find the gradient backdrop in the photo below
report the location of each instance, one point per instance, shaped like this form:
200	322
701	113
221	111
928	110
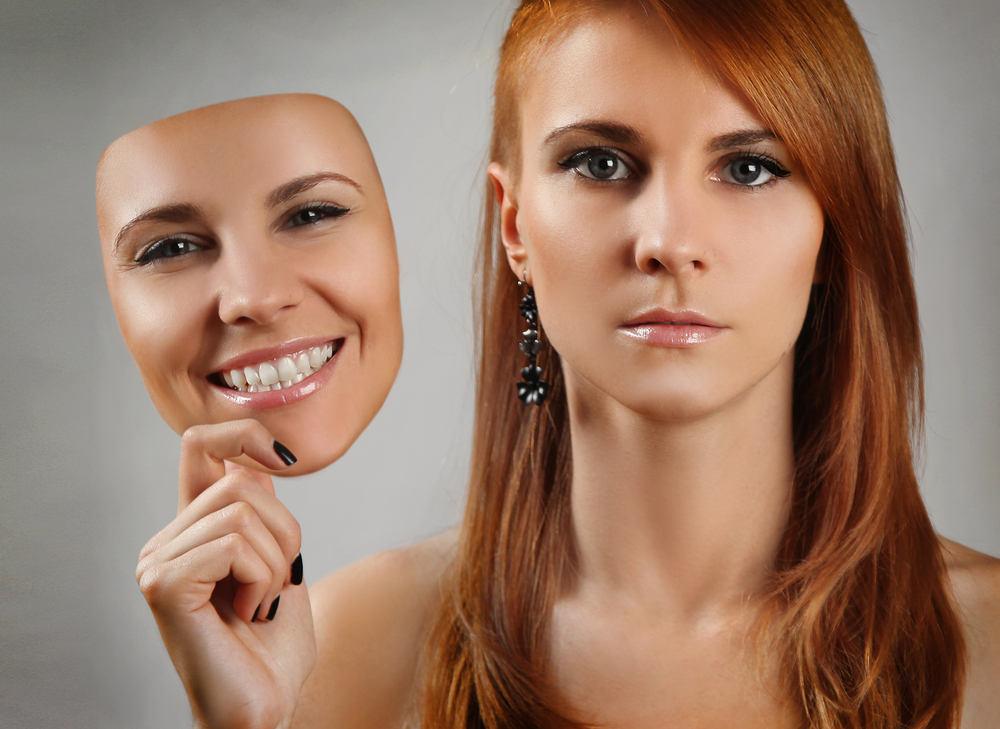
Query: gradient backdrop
89	471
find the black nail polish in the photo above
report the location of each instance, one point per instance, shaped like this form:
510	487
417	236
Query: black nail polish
254	618
284	454
297	570
274	608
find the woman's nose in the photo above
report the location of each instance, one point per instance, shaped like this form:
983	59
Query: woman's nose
257	282
670	235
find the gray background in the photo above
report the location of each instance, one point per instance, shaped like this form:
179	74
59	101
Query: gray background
88	468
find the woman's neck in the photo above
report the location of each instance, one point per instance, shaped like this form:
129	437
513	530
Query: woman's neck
684	517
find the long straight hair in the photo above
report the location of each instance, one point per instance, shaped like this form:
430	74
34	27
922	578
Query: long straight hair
858	606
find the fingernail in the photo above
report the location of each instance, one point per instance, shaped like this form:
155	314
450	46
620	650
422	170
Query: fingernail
254	618
284	454
297	570
274	608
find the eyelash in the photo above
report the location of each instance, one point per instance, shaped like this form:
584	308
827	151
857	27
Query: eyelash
149	256
329	210
572	161
775	168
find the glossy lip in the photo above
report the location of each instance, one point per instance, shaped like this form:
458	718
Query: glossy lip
288	395
663	328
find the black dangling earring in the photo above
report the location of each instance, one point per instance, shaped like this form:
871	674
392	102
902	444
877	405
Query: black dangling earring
532	389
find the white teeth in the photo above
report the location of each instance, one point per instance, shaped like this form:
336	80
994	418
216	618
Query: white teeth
239	379
268	374
286	368
279	373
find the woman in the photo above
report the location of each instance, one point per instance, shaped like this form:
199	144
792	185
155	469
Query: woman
714	518
708	515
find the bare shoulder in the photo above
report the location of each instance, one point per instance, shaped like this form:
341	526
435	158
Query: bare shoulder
975	580
371	619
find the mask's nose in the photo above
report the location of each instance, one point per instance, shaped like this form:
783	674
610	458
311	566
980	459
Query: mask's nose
257	281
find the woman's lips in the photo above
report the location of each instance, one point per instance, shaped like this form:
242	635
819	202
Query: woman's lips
278	381
662	328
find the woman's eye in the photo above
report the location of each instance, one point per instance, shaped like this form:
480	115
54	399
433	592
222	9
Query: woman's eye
752	171
597	164
313	214
168	248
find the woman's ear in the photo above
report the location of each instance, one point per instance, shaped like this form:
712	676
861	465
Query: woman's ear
510	236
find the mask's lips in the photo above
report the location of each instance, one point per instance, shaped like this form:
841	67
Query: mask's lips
279	373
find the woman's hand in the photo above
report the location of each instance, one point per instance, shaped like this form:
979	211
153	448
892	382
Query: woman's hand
214	575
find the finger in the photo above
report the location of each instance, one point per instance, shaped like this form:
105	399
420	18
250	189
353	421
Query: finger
238	486
204	448
264	479
185	584
236	518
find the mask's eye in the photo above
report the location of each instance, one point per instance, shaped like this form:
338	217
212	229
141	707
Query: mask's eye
752	170
597	164
314	213
168	248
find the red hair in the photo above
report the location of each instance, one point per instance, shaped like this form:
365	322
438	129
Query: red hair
859	605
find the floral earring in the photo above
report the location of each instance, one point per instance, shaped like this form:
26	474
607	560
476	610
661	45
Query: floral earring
532	389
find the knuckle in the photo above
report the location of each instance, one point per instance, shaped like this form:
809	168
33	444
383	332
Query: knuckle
232	487
241	516
235	544
152	584
289	537
193	437
251	427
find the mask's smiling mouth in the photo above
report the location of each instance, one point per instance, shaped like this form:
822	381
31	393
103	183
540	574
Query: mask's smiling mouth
277	374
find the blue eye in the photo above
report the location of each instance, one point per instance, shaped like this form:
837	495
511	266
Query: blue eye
597	164
168	248
314	213
752	170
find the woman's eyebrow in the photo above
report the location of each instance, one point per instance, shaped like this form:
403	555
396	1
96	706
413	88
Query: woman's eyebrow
300	184
611	131
176	213
741	138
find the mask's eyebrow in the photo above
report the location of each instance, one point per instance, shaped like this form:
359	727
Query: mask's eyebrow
612	131
742	138
299	185
177	213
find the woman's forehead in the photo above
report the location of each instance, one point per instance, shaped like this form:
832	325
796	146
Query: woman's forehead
240	150
626	68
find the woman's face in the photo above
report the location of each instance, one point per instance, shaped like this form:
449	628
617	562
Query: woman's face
251	262
669	235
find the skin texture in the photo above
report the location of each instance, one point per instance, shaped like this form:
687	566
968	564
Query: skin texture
253	274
